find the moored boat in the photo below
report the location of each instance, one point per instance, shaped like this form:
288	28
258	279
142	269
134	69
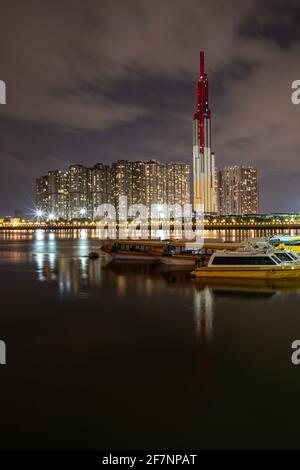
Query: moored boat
252	264
183	253
137	250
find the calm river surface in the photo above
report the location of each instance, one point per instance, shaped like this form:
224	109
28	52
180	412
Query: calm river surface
134	356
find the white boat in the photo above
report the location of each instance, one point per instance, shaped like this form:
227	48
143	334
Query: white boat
181	253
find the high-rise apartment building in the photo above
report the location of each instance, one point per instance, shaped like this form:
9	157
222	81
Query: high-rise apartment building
79	192
121	174
138	195
178	183
218	189
155	183
238	190
58	194
41	192
203	157
100	187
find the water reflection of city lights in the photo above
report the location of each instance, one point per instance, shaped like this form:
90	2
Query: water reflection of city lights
52	258
203	311
83	233
121	284
40	257
40	235
83	266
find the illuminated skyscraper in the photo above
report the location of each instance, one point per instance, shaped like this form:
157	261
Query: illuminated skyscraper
137	179
79	192
239	193
178	183
121	182
155	182
58	194
41	193
100	187
203	157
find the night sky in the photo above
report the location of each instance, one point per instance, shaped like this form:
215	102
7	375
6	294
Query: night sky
98	81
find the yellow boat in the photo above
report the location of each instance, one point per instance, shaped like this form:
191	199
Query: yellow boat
247	265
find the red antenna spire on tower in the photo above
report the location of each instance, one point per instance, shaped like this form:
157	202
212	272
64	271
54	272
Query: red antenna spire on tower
202	109
201	64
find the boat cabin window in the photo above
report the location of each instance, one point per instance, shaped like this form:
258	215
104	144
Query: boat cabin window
244	260
294	255
172	250
284	256
115	247
132	247
180	250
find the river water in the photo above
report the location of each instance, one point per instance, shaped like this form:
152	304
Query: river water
133	356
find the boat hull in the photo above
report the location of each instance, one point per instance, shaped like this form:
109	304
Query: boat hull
134	257
279	272
177	261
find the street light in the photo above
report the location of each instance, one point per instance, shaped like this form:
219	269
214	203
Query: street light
39	213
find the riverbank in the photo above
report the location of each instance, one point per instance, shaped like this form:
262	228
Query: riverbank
95	226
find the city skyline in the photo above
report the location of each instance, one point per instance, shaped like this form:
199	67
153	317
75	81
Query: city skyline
132	97
79	191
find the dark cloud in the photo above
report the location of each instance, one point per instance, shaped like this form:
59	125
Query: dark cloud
101	80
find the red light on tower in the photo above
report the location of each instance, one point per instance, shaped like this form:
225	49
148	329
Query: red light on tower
201	64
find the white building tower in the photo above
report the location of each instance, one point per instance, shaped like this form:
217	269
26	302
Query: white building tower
203	157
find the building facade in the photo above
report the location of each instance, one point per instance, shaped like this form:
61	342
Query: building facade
238	190
203	157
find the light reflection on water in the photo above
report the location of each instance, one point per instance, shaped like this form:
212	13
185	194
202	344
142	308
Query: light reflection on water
68	267
76	275
204	312
61	260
